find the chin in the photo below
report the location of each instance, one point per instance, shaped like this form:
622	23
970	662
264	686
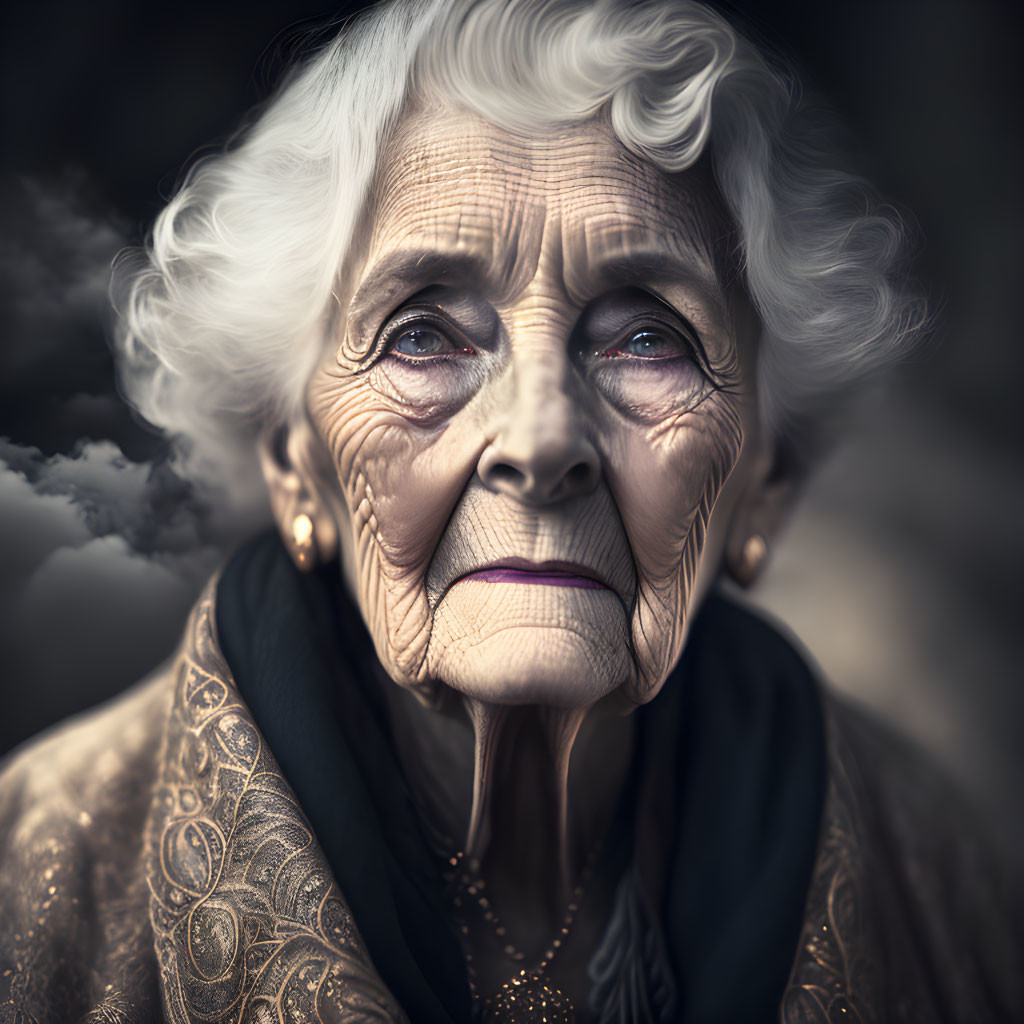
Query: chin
530	645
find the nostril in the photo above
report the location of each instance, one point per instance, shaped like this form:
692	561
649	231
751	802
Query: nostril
579	476
503	473
541	476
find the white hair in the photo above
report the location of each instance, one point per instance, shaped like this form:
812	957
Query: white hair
226	312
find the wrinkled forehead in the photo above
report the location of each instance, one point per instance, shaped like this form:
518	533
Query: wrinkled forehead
458	195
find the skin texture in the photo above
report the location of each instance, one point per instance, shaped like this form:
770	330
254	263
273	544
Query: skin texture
540	365
523	436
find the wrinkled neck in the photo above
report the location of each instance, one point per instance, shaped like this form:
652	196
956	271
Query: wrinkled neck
526	792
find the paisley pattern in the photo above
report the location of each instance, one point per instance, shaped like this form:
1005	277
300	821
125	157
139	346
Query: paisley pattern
248	922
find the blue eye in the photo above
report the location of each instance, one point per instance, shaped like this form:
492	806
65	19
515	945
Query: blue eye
647	345
421	342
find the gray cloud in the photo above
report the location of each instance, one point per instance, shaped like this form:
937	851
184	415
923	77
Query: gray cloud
55	267
56	369
102	557
97	614
32	525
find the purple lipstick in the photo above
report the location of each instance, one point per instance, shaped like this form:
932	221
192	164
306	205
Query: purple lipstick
539	576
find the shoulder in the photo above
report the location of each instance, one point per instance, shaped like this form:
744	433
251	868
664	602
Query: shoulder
86	766
910	915
912	807
73	897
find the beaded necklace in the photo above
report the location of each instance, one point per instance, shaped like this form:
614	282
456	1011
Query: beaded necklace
528	997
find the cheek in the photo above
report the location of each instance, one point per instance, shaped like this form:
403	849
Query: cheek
417	478
666	479
427	393
655	392
399	481
400	477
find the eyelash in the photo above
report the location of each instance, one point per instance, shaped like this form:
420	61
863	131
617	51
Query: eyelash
391	335
614	351
683	335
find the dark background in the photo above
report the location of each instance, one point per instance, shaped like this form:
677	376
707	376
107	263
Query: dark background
901	569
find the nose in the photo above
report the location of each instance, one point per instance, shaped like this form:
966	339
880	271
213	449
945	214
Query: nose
541	453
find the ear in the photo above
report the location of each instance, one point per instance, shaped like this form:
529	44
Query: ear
766	495
292	459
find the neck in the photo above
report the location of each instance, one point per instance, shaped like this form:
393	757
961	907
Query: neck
526	792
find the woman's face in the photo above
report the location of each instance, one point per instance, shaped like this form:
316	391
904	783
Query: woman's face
534	402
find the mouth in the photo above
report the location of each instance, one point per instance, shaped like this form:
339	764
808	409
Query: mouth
545	574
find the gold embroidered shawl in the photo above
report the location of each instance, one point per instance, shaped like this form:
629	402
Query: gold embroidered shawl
155	865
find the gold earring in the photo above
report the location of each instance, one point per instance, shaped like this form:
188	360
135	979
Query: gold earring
303	541
755	550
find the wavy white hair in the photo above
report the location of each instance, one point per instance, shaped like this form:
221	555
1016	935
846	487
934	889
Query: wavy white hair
226	312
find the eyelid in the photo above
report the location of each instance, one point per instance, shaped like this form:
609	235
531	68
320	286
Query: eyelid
690	332
410	316
669	320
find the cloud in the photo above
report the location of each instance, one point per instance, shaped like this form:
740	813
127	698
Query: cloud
98	610
54	267
155	511
56	368
32	525
102	557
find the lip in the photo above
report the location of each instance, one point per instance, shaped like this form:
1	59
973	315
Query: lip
549	574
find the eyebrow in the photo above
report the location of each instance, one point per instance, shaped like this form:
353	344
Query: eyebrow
404	272
653	269
613	251
649	260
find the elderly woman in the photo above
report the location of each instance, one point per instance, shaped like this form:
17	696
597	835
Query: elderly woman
532	314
